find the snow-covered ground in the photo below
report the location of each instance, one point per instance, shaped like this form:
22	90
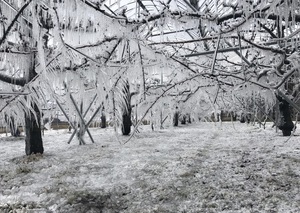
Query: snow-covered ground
203	167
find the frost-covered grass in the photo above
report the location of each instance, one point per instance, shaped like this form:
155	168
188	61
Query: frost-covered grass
197	168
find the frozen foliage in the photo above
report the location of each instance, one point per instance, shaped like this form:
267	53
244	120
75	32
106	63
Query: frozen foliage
201	57
231	167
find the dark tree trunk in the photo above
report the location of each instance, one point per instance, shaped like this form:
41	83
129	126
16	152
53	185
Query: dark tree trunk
176	117
126	116
233	116
189	119
126	127
33	139
103	121
285	123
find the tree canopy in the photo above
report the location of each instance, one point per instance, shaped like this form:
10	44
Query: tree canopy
171	52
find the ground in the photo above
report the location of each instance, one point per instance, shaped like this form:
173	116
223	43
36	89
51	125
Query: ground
205	167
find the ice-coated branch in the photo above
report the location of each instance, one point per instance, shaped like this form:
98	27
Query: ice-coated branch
142	5
285	77
97	8
237	77
13	80
183	64
215	55
7	31
8	102
194	92
258	13
143	71
238	53
267	29
262	47
106	39
113	50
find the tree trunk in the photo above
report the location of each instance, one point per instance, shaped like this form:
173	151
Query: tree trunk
33	139
126	116
189	119
126	126
285	123
176	117
103	121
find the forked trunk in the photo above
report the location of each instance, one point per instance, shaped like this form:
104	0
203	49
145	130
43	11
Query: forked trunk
33	139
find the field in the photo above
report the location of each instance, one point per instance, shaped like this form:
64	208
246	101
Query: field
205	167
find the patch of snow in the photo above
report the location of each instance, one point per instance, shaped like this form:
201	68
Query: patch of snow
205	167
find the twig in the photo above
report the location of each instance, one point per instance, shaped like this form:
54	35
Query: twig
143	71
113	50
215	55
272	49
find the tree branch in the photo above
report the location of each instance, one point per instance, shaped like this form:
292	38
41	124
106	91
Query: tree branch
97	8
113	50
13	80
14	21
272	49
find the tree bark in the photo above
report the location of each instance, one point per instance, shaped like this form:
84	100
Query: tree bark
33	139
176	117
285	123
126	126
103	120
126	116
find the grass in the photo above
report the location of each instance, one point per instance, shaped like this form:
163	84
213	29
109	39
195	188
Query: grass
161	172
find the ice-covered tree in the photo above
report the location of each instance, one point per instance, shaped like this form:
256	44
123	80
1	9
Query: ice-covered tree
218	52
242	47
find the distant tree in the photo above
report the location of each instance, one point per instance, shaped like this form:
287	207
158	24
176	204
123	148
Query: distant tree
103	119
176	117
